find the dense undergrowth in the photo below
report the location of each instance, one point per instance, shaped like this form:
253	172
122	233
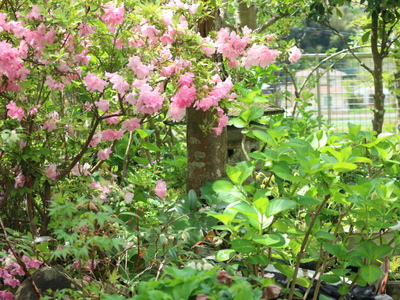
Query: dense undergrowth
307	195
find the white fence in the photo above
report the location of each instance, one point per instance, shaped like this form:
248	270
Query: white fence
344	93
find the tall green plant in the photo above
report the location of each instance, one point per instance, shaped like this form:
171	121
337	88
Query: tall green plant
318	197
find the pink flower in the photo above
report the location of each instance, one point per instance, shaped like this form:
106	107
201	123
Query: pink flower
167	16
149	31
259	56
51	172
113	15
113	120
14	111
49	126
220	91
79	170
118	82
34	14
139	69
131	124
208	46
128	197
84	30
294	54
54	85
94	83
104	154
96	139
149	101
161	189
175	112
104	105
31	263
112	135
184	97
19	180
131	98
186	79
10	280
222	121
4	295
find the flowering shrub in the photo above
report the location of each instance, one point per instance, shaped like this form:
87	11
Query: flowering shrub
83	88
73	85
11	272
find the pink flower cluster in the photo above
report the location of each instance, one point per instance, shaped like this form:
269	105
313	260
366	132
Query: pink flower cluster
12	68
161	189
222	121
10	269
294	54
259	56
184	97
85	266
231	45
14	111
113	15
51	172
220	91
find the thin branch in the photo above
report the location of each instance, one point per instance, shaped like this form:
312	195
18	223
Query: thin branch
270	22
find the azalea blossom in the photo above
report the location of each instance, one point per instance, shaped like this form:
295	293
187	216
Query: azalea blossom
94	83
14	111
113	15
103	104
128	197
51	172
294	54
161	189
131	124
104	154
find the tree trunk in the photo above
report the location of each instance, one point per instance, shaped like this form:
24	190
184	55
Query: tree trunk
246	15
379	96
207	151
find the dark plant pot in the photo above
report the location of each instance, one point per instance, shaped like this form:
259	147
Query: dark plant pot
393	289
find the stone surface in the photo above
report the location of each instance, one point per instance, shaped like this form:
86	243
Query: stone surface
45	278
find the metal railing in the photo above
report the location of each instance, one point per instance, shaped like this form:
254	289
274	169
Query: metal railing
342	90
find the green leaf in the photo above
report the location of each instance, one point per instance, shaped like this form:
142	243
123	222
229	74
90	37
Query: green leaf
222	186
264	137
330	278
303	281
150	146
252	114
278	205
283	171
325	235
370	273
225	254
141	161
239	173
372	251
261	204
275	240
243	246
340	251
258	259
365	37
307	201
143	134
344	166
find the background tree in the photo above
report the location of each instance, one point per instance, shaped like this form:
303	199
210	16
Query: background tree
379	33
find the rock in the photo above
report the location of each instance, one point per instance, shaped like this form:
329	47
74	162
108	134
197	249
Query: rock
46	278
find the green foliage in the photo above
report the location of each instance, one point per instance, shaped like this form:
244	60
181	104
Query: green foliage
309	195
